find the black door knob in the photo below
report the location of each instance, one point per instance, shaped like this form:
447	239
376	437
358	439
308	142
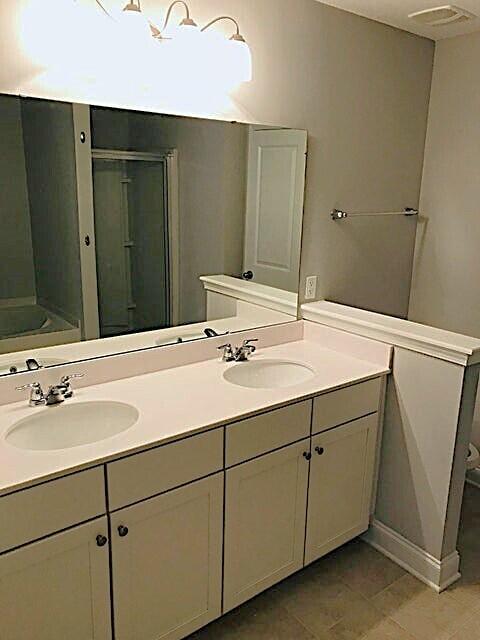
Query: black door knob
122	530
247	275
319	450
101	540
307	455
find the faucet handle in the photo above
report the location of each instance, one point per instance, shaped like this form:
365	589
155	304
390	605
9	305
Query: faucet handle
65	383
36	394
30	385
247	344
66	379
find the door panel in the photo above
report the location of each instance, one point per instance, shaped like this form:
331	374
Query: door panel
167	570
57	588
275	194
265	504
341	479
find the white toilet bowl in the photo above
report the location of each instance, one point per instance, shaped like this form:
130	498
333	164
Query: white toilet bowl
473	460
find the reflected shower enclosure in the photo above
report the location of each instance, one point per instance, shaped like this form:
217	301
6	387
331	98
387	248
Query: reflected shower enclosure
131	241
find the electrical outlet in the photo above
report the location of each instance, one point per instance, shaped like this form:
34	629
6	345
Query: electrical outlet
310	287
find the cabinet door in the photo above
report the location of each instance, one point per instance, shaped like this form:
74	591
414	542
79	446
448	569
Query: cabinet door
265	506
57	588
167	562
341	479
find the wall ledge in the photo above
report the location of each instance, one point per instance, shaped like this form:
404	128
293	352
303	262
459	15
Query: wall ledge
444	345
259	294
437	574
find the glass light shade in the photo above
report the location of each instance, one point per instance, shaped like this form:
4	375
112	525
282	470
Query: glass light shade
240	58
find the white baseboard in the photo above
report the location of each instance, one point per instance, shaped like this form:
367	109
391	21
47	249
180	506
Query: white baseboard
438	574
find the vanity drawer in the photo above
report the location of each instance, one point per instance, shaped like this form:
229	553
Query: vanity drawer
258	435
36	512
146	474
350	403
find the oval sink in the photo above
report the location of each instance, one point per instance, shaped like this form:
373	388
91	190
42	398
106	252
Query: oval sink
71	425
268	374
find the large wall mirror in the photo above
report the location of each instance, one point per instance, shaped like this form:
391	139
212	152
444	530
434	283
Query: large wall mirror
125	230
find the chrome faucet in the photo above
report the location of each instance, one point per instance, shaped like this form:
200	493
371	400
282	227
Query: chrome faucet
56	393
238	354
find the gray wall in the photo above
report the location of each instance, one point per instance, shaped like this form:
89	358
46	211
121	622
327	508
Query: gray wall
50	162
212	159
446	277
17	277
361	89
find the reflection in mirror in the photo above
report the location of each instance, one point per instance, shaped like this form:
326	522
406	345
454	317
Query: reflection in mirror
127	230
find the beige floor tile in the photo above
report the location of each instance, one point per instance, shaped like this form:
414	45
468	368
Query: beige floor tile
259	619
388	630
421	611
365	570
361	619
319	601
469	630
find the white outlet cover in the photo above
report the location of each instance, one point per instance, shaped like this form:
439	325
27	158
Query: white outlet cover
310	287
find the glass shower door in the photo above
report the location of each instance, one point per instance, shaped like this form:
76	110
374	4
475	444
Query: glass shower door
131	245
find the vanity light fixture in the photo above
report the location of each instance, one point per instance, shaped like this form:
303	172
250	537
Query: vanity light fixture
219	56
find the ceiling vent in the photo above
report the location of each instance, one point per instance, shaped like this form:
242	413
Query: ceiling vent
440	16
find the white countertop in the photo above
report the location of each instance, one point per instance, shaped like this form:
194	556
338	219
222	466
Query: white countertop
172	404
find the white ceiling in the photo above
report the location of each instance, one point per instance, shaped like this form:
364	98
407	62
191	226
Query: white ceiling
395	13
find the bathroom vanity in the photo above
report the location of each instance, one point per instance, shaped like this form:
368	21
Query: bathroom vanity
218	491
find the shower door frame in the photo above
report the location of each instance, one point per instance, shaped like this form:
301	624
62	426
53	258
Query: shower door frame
170	158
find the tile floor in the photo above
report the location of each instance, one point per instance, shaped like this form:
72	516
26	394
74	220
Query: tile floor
356	593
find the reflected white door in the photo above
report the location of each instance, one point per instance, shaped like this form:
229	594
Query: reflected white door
275	194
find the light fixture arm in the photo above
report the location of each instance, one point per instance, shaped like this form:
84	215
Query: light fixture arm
237	35
187	19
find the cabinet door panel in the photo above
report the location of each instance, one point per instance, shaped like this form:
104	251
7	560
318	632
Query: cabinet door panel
57	588
341	478
265	505
167	569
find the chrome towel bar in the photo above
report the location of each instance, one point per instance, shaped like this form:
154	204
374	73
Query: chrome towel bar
341	215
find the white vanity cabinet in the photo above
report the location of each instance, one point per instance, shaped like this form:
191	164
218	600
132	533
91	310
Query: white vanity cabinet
167	562
163	536
58	588
340	486
265	507
167	548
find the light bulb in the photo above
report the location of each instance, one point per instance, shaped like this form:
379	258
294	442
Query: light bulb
134	22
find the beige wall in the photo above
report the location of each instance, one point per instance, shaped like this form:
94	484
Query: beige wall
446	278
361	90
17	277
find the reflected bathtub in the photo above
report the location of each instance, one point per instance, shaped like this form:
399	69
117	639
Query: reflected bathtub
18	321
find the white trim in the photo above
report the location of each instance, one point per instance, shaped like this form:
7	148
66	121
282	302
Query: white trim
173	222
259	294
86	224
438	574
444	345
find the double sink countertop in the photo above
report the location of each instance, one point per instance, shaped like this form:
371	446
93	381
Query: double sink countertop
175	403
